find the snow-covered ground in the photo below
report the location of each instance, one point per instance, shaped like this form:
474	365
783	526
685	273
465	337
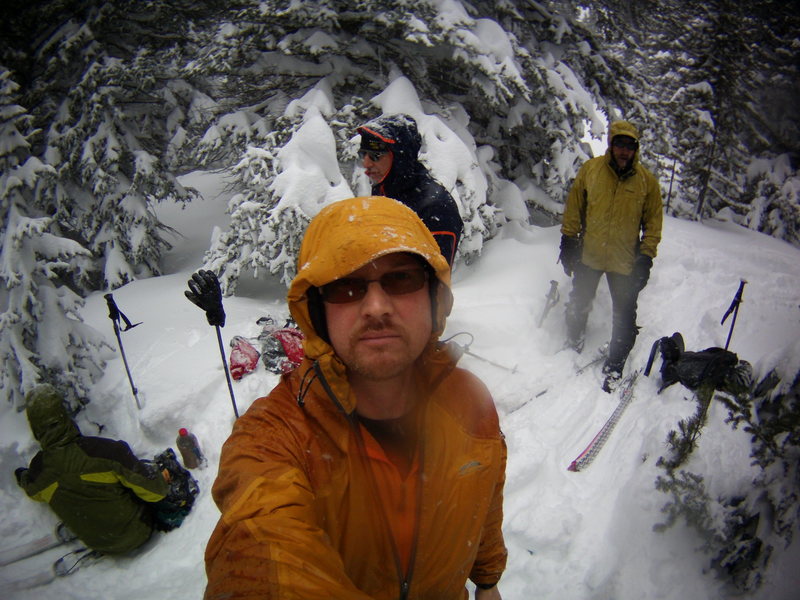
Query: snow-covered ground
571	536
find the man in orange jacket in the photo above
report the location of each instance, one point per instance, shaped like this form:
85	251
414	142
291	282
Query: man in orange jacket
375	469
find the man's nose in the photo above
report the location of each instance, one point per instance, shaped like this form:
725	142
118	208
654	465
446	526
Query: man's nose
376	301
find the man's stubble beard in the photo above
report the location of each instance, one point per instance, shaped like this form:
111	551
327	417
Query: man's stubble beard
376	364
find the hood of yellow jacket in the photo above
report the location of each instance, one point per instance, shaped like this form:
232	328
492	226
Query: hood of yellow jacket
349	234
623	128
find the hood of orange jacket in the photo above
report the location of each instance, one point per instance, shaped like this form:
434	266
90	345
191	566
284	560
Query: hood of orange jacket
342	238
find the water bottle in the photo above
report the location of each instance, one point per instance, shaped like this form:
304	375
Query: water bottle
190	450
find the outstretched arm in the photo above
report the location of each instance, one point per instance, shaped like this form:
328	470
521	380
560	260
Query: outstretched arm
268	542
492	554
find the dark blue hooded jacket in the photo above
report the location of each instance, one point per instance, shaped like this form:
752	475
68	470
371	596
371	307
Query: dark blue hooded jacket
410	182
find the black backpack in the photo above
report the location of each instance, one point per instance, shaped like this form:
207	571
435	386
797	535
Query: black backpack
713	366
170	512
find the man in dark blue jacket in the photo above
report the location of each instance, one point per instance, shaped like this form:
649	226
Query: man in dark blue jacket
389	148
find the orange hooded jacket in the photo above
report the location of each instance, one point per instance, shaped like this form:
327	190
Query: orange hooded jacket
301	515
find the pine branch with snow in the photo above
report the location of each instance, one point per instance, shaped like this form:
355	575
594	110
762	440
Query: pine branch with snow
42	338
472	73
741	528
683	442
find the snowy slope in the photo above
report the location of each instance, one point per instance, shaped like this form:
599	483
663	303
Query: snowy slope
578	536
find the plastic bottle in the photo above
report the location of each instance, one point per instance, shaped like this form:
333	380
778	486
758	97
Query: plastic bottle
190	450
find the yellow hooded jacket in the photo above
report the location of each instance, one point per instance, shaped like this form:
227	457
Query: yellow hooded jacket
609	211
300	511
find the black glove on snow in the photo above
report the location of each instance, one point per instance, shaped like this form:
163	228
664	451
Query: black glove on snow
570	254
205	292
641	270
18	473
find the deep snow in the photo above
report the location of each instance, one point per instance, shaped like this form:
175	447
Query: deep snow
571	536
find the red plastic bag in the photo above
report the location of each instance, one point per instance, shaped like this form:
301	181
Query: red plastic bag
244	357
282	350
292	342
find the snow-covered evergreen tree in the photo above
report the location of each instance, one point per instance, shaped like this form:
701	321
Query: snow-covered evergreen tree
283	186
104	84
106	104
722	79
42	337
489	74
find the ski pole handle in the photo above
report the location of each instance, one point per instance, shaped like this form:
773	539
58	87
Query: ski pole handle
737	299
551	299
734	308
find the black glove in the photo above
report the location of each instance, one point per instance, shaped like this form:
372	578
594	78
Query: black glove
641	270
570	254
18	473
205	292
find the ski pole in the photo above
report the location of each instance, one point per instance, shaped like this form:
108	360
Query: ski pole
115	314
227	372
551	299
653	349
486	360
733	308
465	350
205	292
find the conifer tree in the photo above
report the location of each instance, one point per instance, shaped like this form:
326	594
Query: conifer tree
42	337
103	82
494	74
106	111
740	528
721	82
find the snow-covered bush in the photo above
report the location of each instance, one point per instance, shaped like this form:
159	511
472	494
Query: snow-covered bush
740	528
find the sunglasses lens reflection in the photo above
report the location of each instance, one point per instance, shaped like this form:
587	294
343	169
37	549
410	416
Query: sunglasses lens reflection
373	155
394	283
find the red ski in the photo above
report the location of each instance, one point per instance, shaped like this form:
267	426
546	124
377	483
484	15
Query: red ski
586	457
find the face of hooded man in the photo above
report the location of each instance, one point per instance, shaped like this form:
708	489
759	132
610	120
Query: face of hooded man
377	170
623	148
380	335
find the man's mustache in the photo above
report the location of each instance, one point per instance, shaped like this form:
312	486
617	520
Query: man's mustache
372	325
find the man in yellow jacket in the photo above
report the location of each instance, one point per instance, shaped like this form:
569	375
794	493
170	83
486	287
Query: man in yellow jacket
612	225
374	470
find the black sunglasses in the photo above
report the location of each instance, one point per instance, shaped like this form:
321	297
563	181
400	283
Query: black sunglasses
374	155
394	283
627	144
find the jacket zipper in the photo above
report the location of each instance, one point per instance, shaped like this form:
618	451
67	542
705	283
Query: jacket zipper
404	578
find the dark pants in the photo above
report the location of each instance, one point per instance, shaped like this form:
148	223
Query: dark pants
624	296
